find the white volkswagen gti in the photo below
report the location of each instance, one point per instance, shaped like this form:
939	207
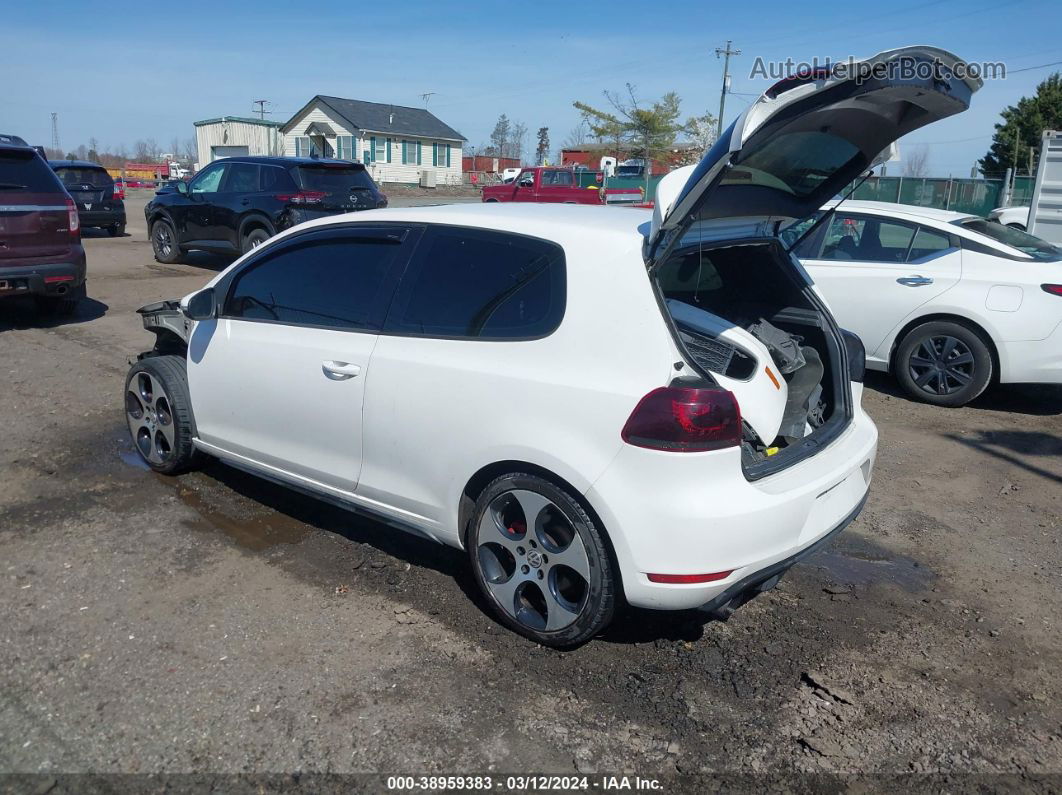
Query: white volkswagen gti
949	303
596	403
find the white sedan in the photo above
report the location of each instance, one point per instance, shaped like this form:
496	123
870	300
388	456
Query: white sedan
947	302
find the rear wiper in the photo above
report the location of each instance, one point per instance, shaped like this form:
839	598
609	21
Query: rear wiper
828	214
12	186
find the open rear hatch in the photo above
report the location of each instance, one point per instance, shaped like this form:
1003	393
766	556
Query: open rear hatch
742	308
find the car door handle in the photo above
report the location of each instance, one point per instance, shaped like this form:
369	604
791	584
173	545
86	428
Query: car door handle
914	281
340	371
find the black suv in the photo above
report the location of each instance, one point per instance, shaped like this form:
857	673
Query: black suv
99	204
235	204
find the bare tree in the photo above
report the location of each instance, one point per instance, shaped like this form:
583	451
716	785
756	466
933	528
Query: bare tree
141	151
518	141
916	162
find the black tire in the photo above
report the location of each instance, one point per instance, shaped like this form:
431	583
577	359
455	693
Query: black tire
254	239
164	242
116	230
149	382
542	590
944	363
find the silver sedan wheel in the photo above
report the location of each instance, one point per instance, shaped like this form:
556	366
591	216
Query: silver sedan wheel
533	560
150	418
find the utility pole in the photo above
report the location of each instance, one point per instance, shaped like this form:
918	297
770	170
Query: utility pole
726	52
261	103
55	131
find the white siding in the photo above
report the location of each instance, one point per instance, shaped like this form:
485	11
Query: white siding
314	114
260	139
381	170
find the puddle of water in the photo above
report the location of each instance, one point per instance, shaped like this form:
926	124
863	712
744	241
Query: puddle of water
250	532
133	458
861	563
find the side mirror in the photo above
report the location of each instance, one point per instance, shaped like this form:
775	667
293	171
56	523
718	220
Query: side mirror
182	187
527	182
201	305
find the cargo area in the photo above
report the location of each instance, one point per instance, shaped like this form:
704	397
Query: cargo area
745	318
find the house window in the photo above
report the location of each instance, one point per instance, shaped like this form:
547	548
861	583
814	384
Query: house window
302	146
345	147
440	157
381	150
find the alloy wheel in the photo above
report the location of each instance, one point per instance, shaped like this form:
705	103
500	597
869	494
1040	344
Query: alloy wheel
941	365
150	418
533	560
163	240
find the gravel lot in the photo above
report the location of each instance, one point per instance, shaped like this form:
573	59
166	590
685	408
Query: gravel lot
216	623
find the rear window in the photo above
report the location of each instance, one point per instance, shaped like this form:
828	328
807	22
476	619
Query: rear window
26	171
1015	238
473	283
72	176
797	163
333	179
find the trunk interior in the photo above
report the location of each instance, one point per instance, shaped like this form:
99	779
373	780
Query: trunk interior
745	318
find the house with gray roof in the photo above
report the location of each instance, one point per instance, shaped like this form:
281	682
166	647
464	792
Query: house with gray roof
396	143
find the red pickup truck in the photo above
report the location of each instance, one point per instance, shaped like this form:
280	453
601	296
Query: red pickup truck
559	185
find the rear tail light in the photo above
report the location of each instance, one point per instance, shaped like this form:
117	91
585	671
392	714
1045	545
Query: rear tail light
1054	289
302	197
119	192
73	221
685	420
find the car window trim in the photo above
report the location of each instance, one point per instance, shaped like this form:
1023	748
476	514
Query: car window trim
429	230
388	287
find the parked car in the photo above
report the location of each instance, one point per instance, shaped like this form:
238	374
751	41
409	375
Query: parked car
236	204
593	403
556	185
100	201
40	235
1014	217
947	302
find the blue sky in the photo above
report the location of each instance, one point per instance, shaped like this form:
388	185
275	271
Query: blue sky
123	71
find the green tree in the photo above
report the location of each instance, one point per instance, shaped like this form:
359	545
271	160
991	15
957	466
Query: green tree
542	150
1020	133
635	128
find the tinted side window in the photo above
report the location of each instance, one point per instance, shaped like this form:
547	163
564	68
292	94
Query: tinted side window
242	178
861	239
335	280
475	283
926	243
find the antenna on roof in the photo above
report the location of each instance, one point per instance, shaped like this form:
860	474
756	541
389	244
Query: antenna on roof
428	95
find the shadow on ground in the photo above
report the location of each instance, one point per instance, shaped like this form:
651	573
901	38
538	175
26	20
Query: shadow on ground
22	313
1035	399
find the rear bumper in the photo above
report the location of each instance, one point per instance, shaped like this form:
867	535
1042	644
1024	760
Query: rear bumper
98	218
1033	362
47	278
696	514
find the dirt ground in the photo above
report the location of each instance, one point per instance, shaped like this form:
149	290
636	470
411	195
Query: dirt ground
217	623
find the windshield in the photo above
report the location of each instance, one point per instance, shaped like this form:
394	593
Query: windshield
332	179
75	176
629	171
1015	238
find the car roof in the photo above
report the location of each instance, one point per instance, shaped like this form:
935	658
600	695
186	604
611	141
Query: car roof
6	147
287	161
618	228
912	211
74	164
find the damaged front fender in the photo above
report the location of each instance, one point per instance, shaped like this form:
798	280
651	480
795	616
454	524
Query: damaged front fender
169	325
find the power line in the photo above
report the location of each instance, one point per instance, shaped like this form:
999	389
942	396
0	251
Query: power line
1030	68
261	103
